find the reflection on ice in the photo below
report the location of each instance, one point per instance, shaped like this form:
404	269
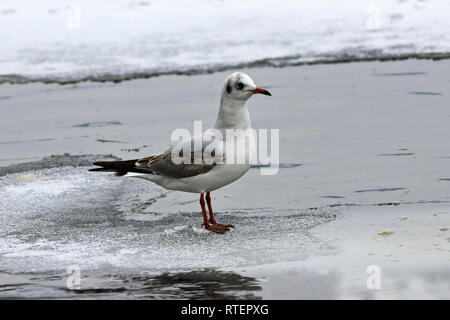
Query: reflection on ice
195	284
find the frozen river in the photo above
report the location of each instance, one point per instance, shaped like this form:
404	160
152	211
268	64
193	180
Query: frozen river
364	181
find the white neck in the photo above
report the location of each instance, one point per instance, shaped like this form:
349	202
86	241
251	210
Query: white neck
233	114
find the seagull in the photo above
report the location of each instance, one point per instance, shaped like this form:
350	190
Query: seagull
207	174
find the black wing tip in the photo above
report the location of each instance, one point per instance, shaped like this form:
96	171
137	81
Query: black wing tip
120	168
98	163
99	169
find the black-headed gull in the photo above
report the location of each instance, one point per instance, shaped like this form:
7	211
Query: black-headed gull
204	176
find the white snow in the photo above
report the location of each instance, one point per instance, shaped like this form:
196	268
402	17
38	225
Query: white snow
68	38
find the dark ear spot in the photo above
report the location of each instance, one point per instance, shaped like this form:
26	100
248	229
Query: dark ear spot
229	87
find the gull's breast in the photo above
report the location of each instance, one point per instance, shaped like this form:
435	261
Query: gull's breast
221	175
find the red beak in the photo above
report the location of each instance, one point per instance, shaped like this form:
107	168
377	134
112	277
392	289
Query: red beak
262	91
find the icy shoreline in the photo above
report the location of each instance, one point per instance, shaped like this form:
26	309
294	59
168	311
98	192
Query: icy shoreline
291	61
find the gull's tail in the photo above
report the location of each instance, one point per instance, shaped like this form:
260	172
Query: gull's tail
121	168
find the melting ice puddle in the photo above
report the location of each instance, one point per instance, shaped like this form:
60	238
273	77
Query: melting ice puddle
426	93
27	141
110	141
396	154
399	74
97	124
281	165
380	190
333	197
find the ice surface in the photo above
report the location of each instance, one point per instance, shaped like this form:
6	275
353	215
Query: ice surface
67	39
57	217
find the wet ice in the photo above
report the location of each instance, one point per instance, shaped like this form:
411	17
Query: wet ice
58	217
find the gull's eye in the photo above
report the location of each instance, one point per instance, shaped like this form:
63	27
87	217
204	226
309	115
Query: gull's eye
240	85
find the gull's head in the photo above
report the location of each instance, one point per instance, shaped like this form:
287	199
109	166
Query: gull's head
239	86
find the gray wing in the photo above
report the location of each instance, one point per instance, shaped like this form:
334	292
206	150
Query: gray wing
162	164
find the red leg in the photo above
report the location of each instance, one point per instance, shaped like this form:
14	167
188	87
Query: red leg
206	223
211	214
